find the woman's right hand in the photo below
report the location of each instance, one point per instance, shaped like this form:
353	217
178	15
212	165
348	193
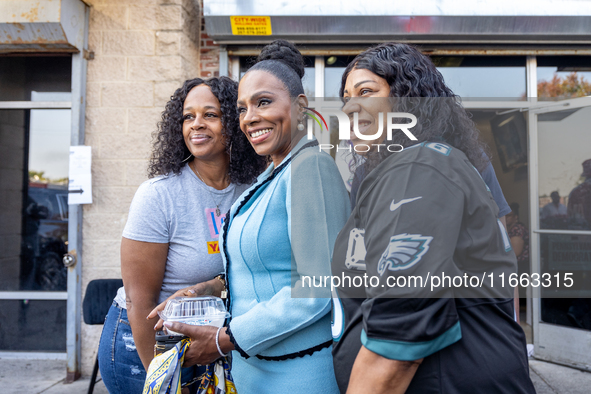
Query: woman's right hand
212	287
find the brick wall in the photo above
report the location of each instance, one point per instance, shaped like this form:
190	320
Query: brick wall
143	51
210	55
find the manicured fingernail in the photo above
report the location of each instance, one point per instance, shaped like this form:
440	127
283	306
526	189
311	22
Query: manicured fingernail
192	291
155	326
168	324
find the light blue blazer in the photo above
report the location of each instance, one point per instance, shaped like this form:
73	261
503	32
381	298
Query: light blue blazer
285	231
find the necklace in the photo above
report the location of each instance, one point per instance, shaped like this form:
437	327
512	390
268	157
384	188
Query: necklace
218	211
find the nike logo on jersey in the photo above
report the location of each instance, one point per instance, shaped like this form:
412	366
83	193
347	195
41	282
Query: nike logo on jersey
395	205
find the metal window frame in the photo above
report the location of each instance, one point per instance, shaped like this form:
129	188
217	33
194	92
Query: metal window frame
540	328
35	105
33	356
35	295
74	303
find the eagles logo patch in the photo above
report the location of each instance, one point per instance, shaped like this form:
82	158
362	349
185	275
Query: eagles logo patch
403	251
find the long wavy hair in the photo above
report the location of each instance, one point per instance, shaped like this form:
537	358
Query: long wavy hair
419	88
170	151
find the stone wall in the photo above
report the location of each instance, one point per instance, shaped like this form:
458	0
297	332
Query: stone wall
143	51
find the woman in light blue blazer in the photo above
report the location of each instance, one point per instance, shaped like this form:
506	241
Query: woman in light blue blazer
278	237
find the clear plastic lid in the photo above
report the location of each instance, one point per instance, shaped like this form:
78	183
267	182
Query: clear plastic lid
197	311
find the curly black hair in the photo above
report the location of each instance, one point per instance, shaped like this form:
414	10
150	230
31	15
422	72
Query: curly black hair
413	77
169	148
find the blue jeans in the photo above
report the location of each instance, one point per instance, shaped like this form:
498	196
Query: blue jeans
119	362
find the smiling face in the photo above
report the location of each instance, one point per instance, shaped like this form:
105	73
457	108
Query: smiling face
202	124
266	114
361	86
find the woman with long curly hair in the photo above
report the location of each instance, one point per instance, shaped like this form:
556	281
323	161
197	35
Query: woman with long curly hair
421	212
201	162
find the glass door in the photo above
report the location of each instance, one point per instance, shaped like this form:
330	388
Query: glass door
35	135
560	217
33	288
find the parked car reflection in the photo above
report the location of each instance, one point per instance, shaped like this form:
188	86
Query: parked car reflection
44	238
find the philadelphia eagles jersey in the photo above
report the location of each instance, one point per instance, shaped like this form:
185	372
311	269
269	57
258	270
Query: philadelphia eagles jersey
421	213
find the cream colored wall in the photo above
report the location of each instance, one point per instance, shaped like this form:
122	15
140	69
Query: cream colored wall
143	51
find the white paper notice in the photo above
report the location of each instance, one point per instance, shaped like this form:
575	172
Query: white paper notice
80	185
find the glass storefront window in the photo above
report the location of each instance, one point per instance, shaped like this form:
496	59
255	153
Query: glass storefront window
309	79
565	169
334	66
563	77
484	76
34	232
564	190
468	76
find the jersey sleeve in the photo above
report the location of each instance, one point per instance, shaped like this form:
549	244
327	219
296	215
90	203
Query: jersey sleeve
490	178
412	218
317	208
147	220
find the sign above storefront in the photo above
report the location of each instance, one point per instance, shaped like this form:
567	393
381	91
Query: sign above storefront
251	25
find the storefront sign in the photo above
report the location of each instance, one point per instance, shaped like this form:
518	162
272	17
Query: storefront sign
251	25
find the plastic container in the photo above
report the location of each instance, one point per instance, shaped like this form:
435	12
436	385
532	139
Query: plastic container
196	311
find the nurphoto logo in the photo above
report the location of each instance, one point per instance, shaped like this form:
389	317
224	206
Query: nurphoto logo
369	136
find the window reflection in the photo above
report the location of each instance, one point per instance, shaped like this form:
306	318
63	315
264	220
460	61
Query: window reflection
34	232
334	67
565	169
484	76
566	256
563	77
468	76
45	234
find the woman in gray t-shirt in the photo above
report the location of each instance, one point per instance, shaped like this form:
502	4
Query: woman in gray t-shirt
201	162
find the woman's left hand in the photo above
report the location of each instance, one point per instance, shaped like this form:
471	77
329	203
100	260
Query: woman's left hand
211	287
203	350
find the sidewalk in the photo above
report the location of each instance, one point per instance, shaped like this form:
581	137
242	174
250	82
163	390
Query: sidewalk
47	377
41	376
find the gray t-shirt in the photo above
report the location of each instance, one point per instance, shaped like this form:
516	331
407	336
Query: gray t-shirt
181	210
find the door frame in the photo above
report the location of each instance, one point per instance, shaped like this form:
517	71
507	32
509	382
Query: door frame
37	295
77	11
558	344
